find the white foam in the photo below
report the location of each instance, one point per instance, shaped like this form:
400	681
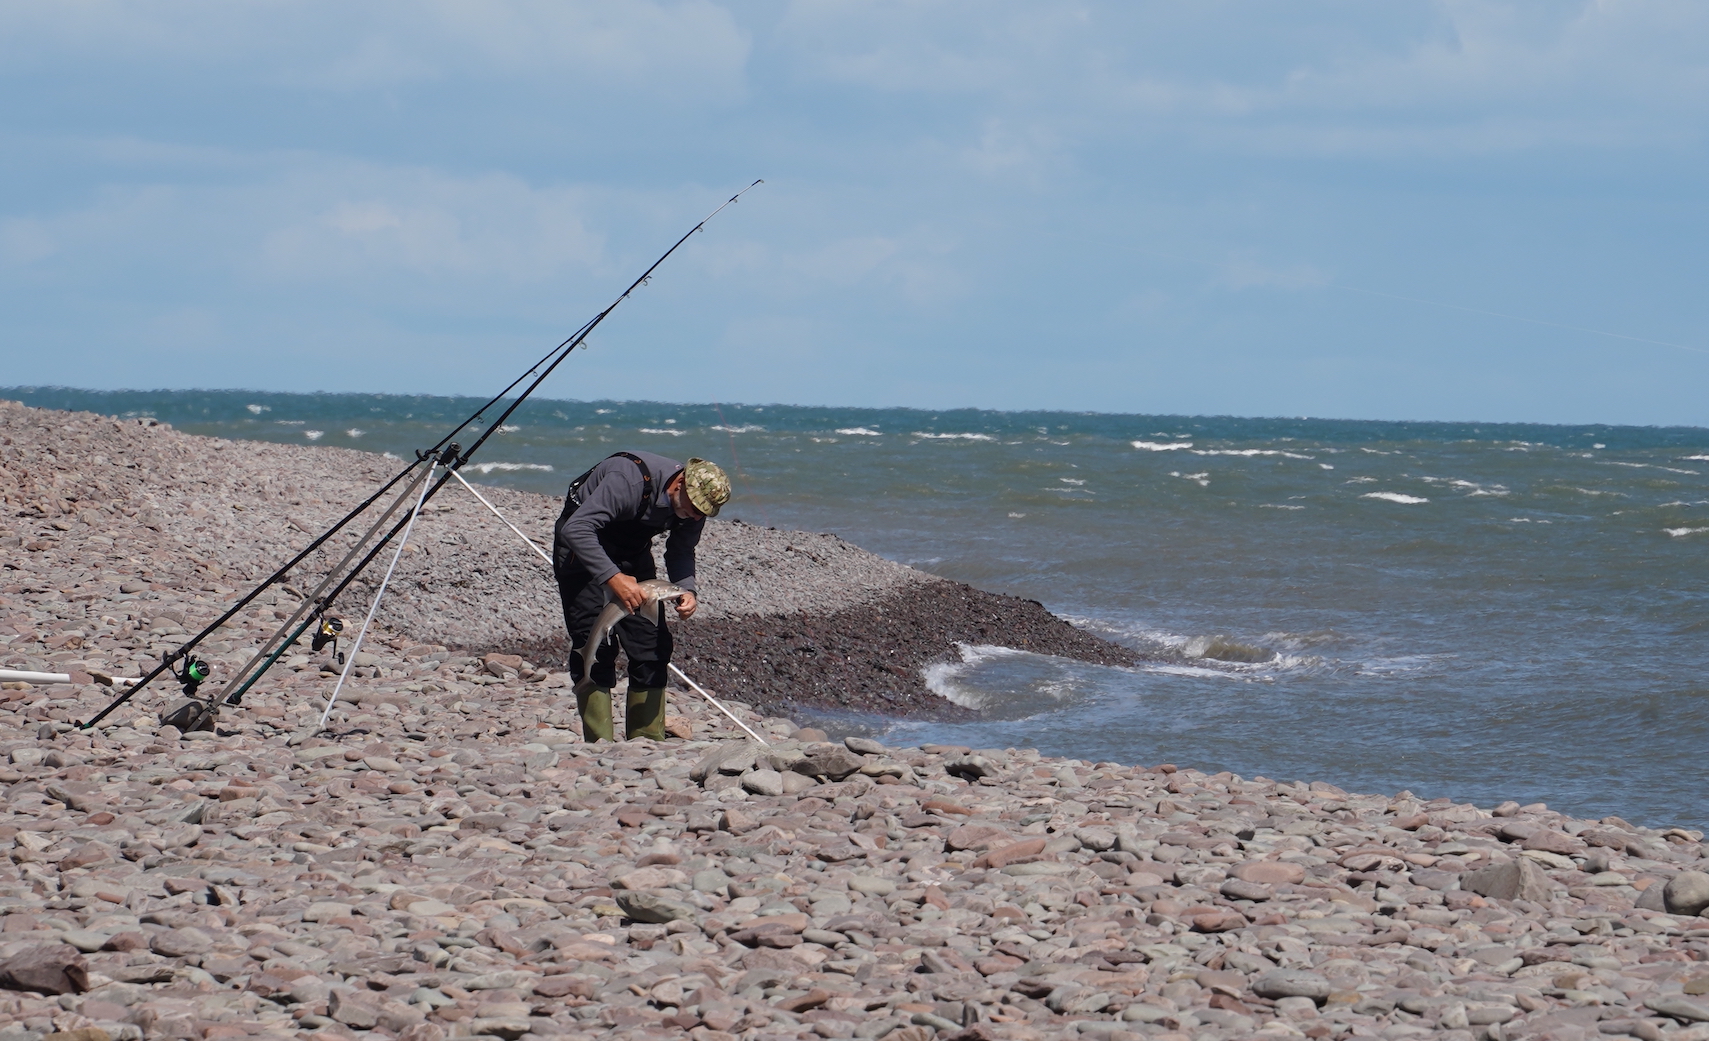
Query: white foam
1682	532
1161	446
488	468
258	409
1409	500
860	432
1250	452
1325	466
1653	466
1698	458
314	435
1203	479
1277	506
745	428
1071	480
1189	670
1017	516
954	437
353	432
941	677
660	430
508	427
603	411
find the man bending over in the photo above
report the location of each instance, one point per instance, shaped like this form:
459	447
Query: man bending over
603	549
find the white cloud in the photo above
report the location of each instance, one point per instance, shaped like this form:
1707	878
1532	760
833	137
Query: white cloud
1420	75
340	219
692	49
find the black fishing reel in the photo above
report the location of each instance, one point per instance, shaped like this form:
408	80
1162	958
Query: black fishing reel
328	632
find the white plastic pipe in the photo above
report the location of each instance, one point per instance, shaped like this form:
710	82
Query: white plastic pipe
16	676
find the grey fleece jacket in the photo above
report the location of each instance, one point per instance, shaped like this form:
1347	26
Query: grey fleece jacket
610	519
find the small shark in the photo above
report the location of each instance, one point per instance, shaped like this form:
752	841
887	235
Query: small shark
657	591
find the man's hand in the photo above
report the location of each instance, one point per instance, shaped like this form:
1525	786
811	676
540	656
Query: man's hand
627	591
685	606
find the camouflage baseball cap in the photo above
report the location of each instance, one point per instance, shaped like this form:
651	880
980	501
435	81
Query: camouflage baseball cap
707	486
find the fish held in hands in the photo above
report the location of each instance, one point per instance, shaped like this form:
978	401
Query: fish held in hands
656	590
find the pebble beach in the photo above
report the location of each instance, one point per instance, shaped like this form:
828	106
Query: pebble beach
449	859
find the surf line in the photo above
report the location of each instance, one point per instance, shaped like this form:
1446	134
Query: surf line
547	557
315	608
1331	284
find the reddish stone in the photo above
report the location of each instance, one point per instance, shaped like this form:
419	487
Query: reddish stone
1228	983
1219	922
54	969
975	836
1364	861
1005	855
1231	1004
1269	872
945	806
84	856
810	1000
1553	842
566	987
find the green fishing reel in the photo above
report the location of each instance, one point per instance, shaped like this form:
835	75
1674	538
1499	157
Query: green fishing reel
193	673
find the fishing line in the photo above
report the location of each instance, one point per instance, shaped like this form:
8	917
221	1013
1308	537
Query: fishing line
737	463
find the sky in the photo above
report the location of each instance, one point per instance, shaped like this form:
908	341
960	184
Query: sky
1457	210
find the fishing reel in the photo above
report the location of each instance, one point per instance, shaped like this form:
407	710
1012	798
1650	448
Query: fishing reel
192	674
192	713
328	632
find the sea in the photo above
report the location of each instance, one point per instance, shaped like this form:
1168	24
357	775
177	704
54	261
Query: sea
1478	611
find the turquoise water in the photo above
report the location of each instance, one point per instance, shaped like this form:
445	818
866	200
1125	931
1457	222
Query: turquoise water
1476	610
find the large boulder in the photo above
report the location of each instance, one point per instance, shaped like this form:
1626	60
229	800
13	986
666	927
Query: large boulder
1687	893
55	969
1512	880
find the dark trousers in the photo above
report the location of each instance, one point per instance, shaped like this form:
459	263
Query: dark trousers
647	646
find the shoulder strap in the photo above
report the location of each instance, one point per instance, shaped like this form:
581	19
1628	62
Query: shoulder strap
573	499
646	479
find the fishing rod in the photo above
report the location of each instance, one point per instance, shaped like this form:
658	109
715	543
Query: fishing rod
195	671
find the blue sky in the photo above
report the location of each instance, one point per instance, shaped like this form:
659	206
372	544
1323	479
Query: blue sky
1255	208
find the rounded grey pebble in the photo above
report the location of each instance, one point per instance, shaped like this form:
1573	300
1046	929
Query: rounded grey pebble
1291	983
1687	893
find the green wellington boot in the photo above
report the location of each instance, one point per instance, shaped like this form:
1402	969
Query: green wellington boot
595	709
646	715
